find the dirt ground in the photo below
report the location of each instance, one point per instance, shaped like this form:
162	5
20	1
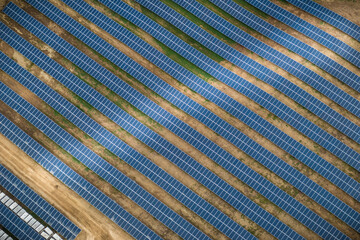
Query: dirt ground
113	232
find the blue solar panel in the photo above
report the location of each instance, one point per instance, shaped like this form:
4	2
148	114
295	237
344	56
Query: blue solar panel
293	67
206	177
217	120
105	170
206	146
307	29
16	225
37	204
279	82
67	47
74	181
328	16
256	122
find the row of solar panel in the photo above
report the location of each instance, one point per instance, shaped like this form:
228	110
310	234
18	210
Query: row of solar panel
169	14
90	39
329	16
240	200
74	181
16	225
121	182
309	30
295	45
216	121
278	108
67	21
45	232
37	204
4	235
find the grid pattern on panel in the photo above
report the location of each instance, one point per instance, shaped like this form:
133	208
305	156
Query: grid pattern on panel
328	16
295	45
74	181
37	204
104	48
299	180
305	126
226	160
121	182
316	34
320	195
18	227
238	200
293	147
326	193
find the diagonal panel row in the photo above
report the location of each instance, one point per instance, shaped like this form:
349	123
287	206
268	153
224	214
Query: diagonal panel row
208	118
328	16
203	144
296	120
282	84
291	145
188	164
121	182
295	45
37	204
16	225
209	113
309	30
74	181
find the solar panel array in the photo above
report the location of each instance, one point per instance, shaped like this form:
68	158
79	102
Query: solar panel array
200	173
281	110
288	145
213	122
328	16
154	111
306	214
309	30
121	182
171	219
67	47
297	46
74	181
16	225
37	204
293	91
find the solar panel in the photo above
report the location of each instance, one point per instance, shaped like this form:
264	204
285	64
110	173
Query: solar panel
74	181
328	16
133	18
15	225
309	30
37	204
121	182
305	126
169	14
67	47
297	69
235	198
138	100
240	170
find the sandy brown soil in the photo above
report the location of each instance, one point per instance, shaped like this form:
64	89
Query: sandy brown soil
164	163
